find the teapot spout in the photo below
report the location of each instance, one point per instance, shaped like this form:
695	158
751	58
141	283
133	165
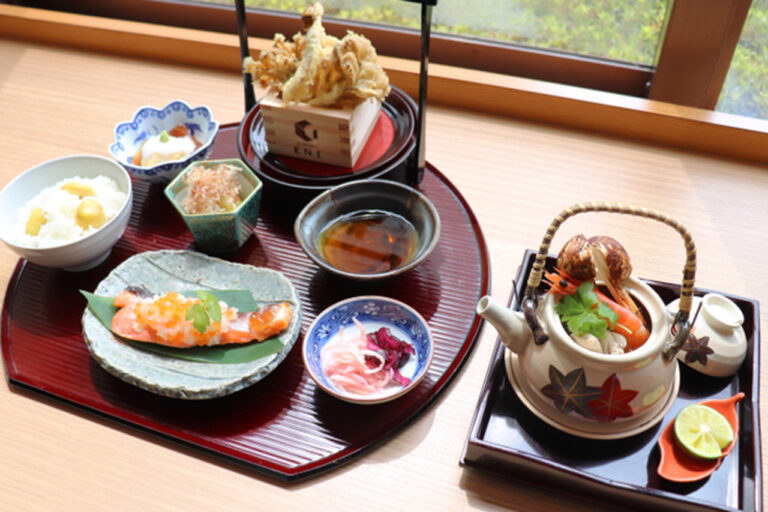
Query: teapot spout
511	325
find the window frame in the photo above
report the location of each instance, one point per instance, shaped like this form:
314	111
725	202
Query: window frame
709	29
502	96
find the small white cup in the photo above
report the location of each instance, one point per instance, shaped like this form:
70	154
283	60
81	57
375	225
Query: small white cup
722	342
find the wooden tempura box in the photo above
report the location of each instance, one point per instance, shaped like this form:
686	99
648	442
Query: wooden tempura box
333	136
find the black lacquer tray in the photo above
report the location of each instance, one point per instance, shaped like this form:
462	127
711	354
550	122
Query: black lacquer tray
506	438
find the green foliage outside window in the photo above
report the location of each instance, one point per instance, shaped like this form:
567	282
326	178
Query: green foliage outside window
745	90
621	30
613	29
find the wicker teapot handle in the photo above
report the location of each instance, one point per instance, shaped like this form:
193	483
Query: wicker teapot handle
681	324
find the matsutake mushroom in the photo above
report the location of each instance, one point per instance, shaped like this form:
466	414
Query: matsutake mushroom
599	258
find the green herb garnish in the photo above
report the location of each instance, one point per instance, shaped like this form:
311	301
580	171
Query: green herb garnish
583	313
201	313
199	317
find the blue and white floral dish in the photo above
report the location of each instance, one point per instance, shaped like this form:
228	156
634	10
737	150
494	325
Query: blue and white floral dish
150	121
373	312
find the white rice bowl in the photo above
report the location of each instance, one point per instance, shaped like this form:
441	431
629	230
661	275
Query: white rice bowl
60	206
91	247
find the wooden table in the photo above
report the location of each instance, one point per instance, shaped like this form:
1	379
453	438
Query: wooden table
515	174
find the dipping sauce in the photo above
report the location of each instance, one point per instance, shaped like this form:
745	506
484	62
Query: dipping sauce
368	242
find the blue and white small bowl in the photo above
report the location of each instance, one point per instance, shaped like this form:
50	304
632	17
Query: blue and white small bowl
374	312
150	121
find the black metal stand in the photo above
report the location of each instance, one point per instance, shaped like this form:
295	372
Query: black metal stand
242	31
417	161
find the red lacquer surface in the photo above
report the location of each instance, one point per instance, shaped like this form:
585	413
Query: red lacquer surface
284	425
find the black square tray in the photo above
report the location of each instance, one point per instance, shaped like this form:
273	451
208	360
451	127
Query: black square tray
505	437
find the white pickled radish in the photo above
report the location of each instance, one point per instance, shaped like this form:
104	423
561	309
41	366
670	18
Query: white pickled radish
343	360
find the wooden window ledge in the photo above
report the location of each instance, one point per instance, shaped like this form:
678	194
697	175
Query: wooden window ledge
596	111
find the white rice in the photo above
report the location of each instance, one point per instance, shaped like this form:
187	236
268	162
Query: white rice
60	206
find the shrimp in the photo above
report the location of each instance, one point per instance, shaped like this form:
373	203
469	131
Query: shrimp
628	325
163	319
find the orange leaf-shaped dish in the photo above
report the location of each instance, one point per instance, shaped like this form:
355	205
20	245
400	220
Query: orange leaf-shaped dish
677	465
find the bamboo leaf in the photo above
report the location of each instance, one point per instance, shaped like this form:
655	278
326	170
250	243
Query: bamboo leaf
241	299
104	309
221	354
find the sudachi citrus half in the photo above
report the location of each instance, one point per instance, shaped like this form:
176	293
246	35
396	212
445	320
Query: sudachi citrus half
702	431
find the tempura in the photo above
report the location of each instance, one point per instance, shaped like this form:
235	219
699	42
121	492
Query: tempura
318	69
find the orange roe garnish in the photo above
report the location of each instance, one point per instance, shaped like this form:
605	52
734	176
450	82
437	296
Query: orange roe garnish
166	317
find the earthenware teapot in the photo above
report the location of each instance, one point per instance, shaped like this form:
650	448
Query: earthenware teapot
580	391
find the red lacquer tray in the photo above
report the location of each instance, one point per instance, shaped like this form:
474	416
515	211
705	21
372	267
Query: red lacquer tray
283	426
507	438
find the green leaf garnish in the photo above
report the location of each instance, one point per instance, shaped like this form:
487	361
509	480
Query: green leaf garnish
201	313
583	313
200	319
211	303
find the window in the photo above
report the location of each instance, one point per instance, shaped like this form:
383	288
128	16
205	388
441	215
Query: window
745	90
613	45
611	29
